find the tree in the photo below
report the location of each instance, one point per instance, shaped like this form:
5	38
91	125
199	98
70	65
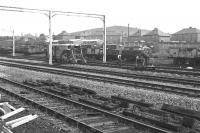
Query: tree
42	37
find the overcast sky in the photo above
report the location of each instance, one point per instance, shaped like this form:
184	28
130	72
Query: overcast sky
168	15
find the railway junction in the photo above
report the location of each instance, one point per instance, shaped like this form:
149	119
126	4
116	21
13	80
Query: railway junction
63	91
99	98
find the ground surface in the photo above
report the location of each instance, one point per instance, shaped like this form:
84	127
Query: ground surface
42	124
106	89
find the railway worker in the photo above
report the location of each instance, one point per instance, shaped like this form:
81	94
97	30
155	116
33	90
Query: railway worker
119	59
189	67
137	58
143	61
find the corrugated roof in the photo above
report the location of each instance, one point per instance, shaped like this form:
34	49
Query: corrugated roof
189	30
156	31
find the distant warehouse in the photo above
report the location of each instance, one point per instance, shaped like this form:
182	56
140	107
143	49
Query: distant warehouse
190	35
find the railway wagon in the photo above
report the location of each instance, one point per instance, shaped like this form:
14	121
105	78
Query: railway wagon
6	46
92	52
67	53
33	49
5	50
95	52
185	55
136	55
22	45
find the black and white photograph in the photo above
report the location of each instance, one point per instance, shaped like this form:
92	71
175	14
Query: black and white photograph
99	66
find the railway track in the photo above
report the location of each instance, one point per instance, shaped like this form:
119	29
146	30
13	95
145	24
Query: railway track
193	82
184	71
192	92
164	69
137	76
42	123
86	117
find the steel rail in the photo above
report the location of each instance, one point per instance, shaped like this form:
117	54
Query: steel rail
195	72
192	92
164	69
60	115
46	109
123	74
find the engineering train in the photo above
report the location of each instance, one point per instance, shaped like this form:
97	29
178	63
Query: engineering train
92	50
79	51
37	48
136	54
68	52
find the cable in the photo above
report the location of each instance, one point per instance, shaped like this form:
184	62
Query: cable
20	11
77	15
29	10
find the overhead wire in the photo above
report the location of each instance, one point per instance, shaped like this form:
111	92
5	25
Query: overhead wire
39	11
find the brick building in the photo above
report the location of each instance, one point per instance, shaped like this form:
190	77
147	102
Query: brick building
190	35
156	36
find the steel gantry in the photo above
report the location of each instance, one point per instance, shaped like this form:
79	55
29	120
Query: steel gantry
51	13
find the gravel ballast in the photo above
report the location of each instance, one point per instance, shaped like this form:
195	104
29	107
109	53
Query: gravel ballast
105	89
42	124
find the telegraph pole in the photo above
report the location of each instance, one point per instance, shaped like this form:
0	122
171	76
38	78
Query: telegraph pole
13	42
104	38
50	38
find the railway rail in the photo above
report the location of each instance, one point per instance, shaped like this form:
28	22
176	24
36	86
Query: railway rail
192	92
193	82
164	69
184	71
88	118
137	76
44	122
